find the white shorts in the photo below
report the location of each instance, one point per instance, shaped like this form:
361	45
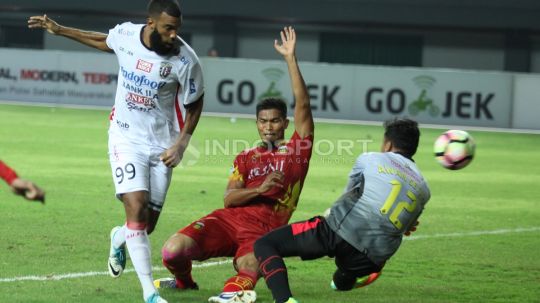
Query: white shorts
138	168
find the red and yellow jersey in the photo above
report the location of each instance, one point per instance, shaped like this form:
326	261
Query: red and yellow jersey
290	157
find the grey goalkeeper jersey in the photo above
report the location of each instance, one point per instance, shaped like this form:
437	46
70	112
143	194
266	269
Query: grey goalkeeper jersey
384	197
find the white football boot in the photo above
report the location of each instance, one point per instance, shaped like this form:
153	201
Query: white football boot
156	298
117	257
245	296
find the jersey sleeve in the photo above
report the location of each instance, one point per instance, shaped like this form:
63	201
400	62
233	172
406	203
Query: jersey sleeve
111	37
238	170
7	173
302	147
426	193
192	84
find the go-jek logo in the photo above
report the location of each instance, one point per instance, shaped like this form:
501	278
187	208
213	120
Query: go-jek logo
273	75
424	102
447	103
140	80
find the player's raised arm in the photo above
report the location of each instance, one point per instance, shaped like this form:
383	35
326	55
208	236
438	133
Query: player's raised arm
303	118
93	39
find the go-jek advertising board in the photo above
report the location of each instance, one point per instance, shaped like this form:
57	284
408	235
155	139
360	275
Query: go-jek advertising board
365	93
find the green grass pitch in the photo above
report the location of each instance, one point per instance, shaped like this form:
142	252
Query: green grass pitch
478	241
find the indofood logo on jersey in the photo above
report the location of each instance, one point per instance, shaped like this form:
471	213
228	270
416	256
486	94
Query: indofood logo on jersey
461	104
140	80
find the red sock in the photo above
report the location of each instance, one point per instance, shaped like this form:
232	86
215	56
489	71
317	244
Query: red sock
185	282
181	269
244	280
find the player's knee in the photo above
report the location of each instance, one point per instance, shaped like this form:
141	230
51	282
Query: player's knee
179	247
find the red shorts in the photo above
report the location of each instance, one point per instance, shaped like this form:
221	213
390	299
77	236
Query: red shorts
231	232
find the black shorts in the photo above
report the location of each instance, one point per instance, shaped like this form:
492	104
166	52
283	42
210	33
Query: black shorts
314	239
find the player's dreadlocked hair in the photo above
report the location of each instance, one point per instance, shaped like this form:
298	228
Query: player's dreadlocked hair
170	7
404	135
272	103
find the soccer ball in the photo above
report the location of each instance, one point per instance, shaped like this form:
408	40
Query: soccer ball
454	149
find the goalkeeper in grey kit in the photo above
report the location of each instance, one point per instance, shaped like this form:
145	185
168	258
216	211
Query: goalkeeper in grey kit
385	195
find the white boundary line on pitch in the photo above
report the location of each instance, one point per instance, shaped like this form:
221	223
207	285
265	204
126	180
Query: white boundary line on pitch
475	233
97	273
209	264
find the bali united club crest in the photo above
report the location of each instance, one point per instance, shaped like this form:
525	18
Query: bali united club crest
165	69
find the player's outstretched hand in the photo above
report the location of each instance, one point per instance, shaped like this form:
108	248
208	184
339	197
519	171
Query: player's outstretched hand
28	190
172	156
43	22
412	229
274	179
288	42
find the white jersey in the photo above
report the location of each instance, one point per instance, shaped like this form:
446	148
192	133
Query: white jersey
152	90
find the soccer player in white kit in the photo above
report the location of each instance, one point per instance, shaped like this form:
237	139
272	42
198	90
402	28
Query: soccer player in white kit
158	103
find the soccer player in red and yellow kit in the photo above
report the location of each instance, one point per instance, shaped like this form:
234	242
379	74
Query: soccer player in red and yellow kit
262	193
21	187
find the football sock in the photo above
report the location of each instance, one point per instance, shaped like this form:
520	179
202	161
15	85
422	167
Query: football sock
270	250
179	264
274	271
244	280
119	238
139	251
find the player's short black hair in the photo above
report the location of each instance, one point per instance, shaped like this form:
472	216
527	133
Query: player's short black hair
170	7
404	135
272	103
